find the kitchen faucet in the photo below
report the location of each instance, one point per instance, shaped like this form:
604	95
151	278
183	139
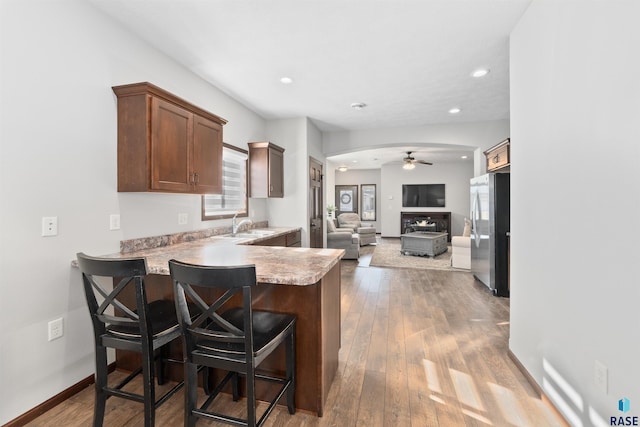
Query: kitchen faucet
234	226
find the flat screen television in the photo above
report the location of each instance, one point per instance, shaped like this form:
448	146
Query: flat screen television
423	196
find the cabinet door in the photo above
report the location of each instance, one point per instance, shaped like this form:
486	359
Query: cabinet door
171	134
276	174
294	239
207	156
497	159
274	241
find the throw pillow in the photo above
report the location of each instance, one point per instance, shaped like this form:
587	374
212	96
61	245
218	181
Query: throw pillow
331	226
467	228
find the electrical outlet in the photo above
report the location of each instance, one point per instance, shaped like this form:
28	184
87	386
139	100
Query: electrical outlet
56	329
49	226
601	376
183	218
114	222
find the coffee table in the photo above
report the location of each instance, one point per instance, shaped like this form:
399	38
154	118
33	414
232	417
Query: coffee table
423	243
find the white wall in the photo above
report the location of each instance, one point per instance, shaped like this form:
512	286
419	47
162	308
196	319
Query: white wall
575	198
300	138
58	158
359	177
330	172
389	180
291	134
456	178
314	149
477	135
314	143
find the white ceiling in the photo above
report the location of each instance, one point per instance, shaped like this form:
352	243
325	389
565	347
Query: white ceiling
409	61
375	158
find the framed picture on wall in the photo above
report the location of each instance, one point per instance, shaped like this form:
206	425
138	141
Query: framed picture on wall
368	202
346	198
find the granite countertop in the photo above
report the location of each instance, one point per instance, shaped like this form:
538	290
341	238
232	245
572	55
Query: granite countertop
274	264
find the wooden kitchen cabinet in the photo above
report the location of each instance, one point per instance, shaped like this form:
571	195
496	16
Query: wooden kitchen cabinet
499	156
165	143
266	170
292	239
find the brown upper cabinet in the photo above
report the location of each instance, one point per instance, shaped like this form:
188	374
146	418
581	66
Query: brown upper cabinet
165	143
266	170
499	156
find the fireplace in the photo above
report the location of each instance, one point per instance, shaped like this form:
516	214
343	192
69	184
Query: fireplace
441	219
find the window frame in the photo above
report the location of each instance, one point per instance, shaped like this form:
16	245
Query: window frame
244	213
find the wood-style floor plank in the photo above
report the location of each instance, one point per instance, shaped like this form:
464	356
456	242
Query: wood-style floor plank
419	348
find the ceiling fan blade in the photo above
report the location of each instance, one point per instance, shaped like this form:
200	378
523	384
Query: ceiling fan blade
412	160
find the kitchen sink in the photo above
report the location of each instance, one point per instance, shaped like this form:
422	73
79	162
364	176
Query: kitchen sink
259	232
249	234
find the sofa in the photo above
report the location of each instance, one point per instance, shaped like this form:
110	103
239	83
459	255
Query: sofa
461	248
352	221
343	238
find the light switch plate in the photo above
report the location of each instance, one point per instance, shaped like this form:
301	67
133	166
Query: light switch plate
114	222
601	376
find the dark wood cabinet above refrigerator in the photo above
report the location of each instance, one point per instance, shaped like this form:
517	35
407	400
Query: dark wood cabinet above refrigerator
499	157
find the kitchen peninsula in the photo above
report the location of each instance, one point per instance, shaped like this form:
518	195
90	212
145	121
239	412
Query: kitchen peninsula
301	281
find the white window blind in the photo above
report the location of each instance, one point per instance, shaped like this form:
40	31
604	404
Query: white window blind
234	187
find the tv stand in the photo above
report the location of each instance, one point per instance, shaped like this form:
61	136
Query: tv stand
442	220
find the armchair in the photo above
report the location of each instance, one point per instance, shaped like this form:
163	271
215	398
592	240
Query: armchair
343	238
461	248
352	221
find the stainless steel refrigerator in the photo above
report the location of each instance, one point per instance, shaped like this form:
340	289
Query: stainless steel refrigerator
490	231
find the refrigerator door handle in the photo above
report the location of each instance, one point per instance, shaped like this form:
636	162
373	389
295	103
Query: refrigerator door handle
474	218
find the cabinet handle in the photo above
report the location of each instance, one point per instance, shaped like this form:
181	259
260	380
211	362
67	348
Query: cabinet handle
192	178
196	177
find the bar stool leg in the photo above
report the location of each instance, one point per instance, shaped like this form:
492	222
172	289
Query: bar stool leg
290	344
251	396
148	379
101	382
190	393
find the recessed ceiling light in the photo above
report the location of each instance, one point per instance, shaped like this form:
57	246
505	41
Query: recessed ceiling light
480	72
463	157
358	105
354	161
454	110
286	80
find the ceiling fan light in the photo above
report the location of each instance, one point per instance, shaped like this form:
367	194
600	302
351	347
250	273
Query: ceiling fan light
342	168
408	166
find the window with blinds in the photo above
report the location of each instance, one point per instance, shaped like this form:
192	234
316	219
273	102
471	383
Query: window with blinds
233	199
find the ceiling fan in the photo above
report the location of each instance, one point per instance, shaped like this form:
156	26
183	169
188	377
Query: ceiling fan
410	161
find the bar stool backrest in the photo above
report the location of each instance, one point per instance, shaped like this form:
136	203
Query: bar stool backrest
107	310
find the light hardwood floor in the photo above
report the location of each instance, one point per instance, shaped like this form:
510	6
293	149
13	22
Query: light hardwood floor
419	348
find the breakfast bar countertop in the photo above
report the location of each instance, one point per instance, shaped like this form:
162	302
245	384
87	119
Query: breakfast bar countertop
314	297
274	264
